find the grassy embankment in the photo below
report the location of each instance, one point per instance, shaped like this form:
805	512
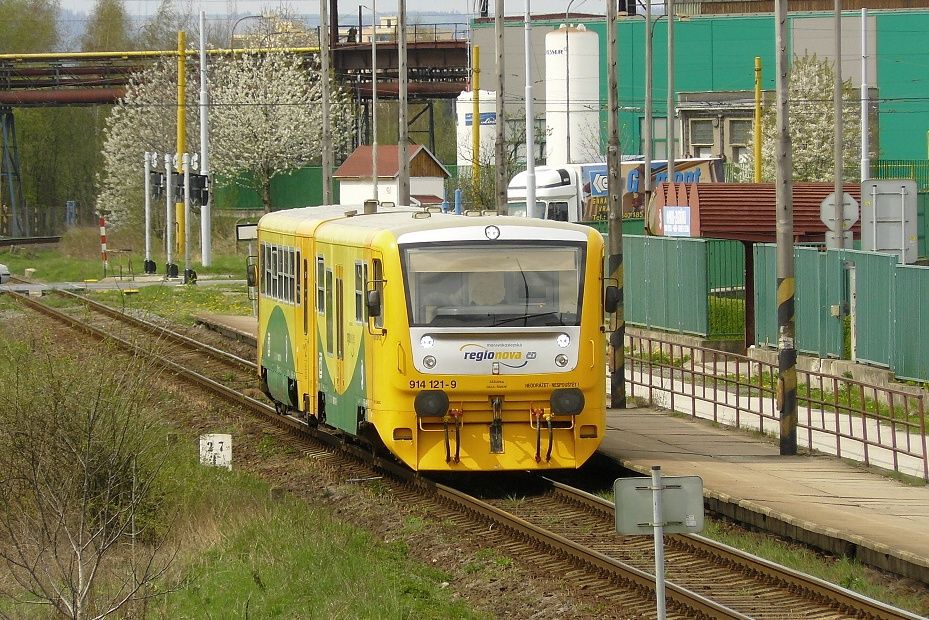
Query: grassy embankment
234	549
77	257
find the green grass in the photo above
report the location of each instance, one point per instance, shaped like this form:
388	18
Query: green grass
52	266
848	399
287	559
181	303
726	317
845	572
239	552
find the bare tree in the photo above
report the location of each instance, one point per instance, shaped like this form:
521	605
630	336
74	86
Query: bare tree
79	480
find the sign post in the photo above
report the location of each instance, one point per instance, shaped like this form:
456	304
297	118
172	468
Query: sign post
837	236
673	505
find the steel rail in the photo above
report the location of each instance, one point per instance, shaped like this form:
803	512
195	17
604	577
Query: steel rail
9	241
797	581
153	328
692	604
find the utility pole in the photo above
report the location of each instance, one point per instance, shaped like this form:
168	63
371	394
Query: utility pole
324	54
614	190
476	127
206	223
170	210
404	197
865	138
374	98
839	233
181	130
148	264
530	129
757	128
786	284
670	146
189	275
500	145
649	102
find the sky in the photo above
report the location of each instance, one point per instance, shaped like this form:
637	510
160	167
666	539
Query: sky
466	7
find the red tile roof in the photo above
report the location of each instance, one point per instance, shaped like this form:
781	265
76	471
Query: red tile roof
358	164
427	199
746	211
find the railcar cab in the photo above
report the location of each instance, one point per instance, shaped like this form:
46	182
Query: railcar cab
502	318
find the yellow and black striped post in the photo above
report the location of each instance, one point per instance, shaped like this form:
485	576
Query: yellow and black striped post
787	365
614	191
786	285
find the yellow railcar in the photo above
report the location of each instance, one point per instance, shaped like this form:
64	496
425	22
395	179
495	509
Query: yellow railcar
461	343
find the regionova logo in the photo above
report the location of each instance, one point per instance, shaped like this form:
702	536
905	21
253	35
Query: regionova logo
510	359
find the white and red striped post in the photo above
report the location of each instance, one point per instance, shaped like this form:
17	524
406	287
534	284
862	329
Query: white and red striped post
103	254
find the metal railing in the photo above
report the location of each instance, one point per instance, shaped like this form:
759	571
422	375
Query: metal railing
880	426
415	33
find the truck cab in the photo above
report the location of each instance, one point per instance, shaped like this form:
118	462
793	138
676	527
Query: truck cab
557	194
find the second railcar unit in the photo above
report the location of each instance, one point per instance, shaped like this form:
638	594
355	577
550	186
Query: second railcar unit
464	343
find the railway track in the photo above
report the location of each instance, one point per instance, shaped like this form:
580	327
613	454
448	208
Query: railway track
11	241
561	530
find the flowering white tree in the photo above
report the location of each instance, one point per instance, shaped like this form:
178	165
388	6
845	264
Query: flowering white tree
812	124
145	119
267	118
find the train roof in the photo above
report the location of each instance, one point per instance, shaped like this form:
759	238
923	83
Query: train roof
350	220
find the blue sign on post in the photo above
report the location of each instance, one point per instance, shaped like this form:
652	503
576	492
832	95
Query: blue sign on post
487	118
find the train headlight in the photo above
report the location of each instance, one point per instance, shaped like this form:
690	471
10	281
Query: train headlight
561	360
431	403
429	362
426	342
567	401
563	340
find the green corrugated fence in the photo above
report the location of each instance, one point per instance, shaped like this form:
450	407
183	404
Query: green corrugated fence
690	286
891	322
301	188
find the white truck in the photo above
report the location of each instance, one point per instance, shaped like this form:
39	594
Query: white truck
578	192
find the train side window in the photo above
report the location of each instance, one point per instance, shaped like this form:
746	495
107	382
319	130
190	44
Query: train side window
281	270
266	270
291	275
378	270
320	285
297	279
275	258
361	275
329	337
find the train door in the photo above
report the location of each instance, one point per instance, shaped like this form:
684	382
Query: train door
308	332
340	330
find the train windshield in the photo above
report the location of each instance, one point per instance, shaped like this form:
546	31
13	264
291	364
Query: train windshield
494	285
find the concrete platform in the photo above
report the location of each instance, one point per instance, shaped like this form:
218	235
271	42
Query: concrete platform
237	327
823	501
826	502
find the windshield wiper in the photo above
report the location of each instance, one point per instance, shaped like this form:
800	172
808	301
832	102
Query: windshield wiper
526	317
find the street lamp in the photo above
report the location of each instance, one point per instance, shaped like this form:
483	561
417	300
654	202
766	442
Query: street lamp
373	9
236	23
567	83
649	113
